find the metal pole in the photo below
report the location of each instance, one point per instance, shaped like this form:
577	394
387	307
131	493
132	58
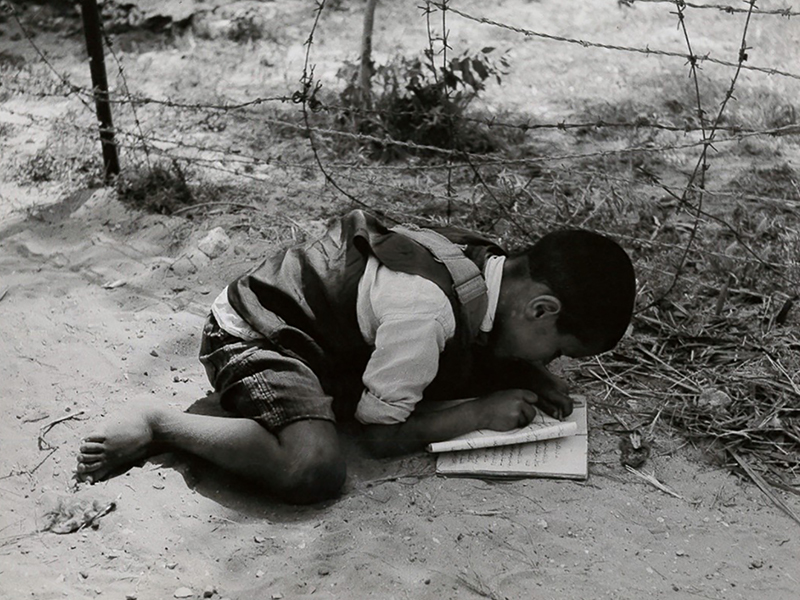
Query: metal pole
97	65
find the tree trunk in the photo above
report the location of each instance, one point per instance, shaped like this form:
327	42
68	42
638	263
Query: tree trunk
365	67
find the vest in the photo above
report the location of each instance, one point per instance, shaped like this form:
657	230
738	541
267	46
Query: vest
303	300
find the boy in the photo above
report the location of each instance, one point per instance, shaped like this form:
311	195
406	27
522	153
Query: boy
365	321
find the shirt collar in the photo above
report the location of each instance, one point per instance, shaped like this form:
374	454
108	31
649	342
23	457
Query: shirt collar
493	274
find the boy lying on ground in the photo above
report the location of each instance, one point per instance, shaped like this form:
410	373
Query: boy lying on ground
364	323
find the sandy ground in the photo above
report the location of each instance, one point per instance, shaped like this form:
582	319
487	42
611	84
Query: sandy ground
77	350
100	312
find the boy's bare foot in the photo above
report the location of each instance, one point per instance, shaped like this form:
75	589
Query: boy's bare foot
118	443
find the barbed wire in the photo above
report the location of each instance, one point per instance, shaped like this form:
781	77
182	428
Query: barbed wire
121	71
481	159
701	166
306	98
225	153
726	8
9	8
239	162
642	122
646	51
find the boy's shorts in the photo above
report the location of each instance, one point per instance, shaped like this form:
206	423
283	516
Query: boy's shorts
255	380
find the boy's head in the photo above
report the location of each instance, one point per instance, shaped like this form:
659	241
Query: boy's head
570	293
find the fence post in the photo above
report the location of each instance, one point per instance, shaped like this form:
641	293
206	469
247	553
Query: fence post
97	65
365	65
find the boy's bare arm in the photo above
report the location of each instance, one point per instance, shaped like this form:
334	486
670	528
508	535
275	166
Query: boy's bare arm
501	411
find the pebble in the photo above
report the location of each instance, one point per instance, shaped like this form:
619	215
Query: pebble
209	591
215	243
183	267
712	398
183	592
259	573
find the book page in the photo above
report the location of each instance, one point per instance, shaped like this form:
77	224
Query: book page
542	427
561	457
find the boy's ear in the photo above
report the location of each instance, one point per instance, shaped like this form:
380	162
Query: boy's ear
542	306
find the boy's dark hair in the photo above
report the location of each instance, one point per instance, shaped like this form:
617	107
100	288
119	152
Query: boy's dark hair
593	278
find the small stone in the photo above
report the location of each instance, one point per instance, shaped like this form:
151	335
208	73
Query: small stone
199	259
183	267
171	565
713	399
259	573
215	243
277	596
209	591
756	564
130	596
84	574
183	592
258	539
323	571
680	553
154	352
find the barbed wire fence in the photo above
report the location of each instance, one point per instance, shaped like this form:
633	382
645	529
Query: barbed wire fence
519	196
241	164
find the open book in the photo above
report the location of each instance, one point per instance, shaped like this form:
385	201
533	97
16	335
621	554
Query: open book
565	456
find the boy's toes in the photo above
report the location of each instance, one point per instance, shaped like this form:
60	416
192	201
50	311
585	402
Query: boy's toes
85	477
92	448
97	438
90	458
88	467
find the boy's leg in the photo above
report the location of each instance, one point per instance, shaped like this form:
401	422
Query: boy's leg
301	463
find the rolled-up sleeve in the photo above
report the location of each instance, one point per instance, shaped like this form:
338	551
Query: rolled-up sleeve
414	322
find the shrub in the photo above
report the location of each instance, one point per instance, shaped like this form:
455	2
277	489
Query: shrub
161	188
415	100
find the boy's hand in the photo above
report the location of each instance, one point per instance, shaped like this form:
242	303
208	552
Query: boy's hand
506	409
553	393
555	403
